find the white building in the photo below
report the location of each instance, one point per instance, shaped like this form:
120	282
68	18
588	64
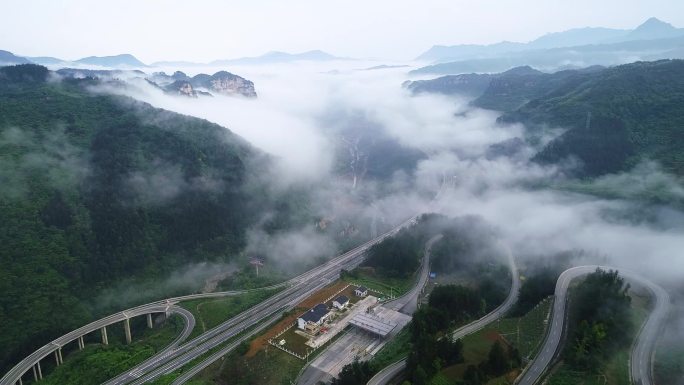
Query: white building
314	318
341	302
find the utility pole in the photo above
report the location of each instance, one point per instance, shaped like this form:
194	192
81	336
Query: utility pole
256	262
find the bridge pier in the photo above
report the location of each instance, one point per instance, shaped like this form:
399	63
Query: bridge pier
59	353
81	343
105	341
40	371
127	329
57	357
20	381
35	374
149	320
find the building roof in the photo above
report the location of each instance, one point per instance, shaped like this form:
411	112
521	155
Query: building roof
315	313
342	299
362	288
373	324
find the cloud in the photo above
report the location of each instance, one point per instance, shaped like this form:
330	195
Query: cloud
48	155
301	108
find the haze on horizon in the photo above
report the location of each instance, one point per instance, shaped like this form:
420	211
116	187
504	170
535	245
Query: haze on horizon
209	30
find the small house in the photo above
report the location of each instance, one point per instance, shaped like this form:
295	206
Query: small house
361	291
314	318
341	302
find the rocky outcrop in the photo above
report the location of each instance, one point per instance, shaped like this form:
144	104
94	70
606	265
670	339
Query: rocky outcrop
181	87
225	83
222	82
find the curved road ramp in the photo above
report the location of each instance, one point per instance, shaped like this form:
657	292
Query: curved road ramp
32	362
642	352
640	365
394	370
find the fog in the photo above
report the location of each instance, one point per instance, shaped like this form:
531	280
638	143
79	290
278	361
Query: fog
300	107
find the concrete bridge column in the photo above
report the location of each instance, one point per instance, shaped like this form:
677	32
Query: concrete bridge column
35	374
40	371
57	357
59	353
81	343
149	320
105	341
127	329
20	381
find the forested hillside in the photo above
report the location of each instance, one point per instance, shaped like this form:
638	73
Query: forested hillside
615	117
95	187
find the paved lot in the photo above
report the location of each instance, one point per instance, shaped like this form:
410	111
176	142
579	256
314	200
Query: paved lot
355	344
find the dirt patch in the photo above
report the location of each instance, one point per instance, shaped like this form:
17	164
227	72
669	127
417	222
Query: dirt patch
493	336
316	298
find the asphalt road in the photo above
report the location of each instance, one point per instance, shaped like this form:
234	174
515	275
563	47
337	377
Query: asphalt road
13	375
392	371
262	314
641	357
407	304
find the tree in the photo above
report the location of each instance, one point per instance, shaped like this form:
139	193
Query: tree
498	360
472	376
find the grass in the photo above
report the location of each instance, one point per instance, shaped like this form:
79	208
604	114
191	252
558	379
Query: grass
210	313
389	286
396	349
98	363
614	371
525	333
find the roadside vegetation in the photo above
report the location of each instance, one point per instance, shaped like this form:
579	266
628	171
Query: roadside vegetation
605	317
668	368
98	363
211	312
467	249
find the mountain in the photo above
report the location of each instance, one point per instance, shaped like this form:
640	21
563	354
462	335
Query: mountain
95	188
555	58
468	85
651	29
8	58
578	37
176	63
441	53
279	57
46	60
614	118
123	60
222	82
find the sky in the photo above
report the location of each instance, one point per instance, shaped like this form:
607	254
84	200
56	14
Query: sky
205	30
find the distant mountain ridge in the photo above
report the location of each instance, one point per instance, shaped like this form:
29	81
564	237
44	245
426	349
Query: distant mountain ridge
652	28
113	61
128	61
8	58
279	57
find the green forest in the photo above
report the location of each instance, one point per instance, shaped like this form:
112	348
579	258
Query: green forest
615	117
601	323
96	187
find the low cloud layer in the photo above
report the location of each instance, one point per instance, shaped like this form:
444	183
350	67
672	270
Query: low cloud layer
299	107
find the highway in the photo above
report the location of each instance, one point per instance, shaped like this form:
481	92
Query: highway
174	356
260	315
13	375
642	352
407	303
392	371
